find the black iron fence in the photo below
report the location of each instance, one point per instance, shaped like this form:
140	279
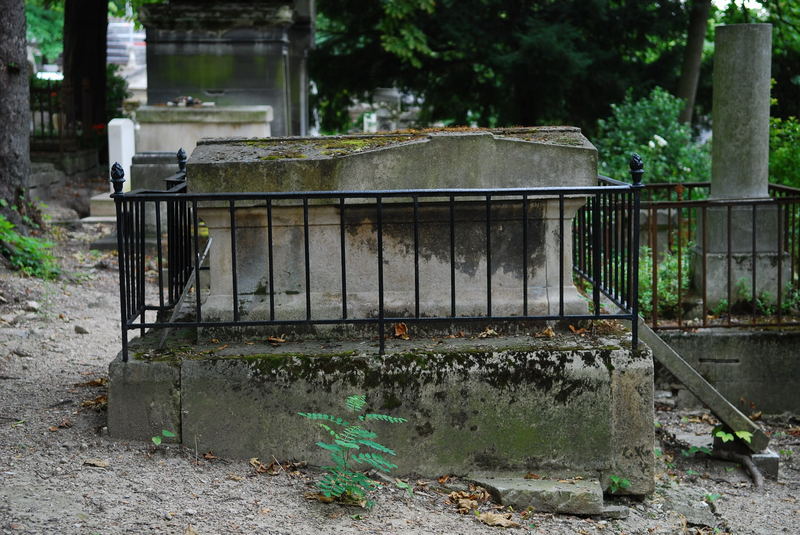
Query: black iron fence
603	242
716	262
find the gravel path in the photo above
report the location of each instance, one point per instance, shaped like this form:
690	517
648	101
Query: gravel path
60	473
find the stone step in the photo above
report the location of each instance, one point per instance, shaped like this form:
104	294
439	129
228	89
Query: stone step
569	496
102	205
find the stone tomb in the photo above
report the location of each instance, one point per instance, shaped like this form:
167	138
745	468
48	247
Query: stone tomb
561	407
538	157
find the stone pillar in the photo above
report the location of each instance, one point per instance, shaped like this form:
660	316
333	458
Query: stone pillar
121	146
742	57
740	160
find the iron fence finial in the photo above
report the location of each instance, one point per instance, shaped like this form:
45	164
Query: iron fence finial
117	177
637	168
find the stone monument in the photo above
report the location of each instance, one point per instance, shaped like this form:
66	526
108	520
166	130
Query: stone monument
742	58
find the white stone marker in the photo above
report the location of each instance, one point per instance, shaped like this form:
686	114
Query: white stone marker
121	146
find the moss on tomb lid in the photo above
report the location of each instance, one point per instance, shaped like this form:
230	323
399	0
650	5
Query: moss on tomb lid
295	148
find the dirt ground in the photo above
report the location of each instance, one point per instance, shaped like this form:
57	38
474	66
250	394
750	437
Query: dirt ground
61	473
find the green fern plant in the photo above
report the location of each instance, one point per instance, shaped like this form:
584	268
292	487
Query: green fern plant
342	481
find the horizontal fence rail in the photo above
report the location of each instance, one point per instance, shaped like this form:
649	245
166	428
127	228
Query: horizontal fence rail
504	228
719	262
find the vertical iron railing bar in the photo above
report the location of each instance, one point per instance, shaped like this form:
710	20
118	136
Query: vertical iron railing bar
381	312
596	272
705	264
307	259
142	261
271	274
195	228
753	265
415	219
654	265
679	211
525	254
778	209
123	296
234	276
637	172
159	257
561	254
342	251
452	258
617	257
728	259
488	256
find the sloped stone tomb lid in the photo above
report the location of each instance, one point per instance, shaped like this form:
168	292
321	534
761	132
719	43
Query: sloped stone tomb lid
461	158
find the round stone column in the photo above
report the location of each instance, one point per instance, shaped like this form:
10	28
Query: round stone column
742	54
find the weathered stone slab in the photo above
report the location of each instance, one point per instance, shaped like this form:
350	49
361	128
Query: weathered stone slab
511	404
573	496
144	398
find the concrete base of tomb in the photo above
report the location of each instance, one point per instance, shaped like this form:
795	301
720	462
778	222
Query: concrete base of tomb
563	407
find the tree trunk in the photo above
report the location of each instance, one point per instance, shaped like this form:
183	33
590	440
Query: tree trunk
14	110
85	23
692	57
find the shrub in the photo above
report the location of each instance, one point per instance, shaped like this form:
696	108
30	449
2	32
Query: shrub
784	156
668	302
650	127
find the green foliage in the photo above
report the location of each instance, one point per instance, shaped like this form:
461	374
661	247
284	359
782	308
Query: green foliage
712	497
45	20
726	435
649	126
667	269
617	483
27	254
494	62
345	448
694	450
784	156
165	433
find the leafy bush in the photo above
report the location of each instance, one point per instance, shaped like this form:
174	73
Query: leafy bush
27	254
342	481
667	270
650	127
784	156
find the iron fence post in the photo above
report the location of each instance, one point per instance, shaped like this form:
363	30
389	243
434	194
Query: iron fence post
117	181
637	171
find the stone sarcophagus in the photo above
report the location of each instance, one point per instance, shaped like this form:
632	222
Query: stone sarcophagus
472	254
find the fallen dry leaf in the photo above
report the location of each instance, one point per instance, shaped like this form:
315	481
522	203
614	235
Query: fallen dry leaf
577	331
210	456
502	520
794	431
401	331
459	334
443	479
531	475
190	531
234	477
488	332
224	346
99	403
276	340
547	333
756	415
98	463
318	496
100	381
258	465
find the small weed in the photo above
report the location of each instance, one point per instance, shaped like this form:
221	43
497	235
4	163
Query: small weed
786	453
694	449
618	483
723	434
165	433
342	481
711	497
